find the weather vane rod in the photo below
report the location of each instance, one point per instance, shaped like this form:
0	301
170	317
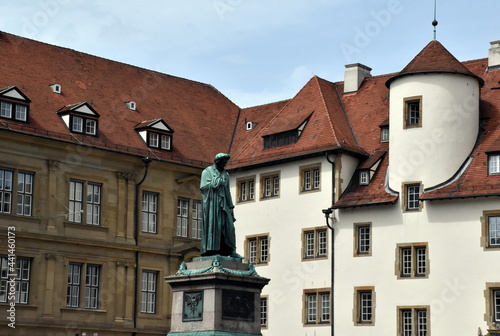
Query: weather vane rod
434	22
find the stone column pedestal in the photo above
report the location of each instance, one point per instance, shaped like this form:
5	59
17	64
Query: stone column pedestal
216	296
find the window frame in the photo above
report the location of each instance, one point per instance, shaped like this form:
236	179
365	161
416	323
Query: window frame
150	211
92	288
414	319
407	197
359	238
188	218
88	286
255	253
264	311
316	240
384	134
149	295
364	177
360	305
494	162
14	104
84	124
310	178
408	102
23	266
486	236
270	185
161	140
15	194
408	266
80	215
316	307
245	189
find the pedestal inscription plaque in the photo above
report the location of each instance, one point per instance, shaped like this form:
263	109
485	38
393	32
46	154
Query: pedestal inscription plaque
238	305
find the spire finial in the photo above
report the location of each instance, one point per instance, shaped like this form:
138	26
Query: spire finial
434	22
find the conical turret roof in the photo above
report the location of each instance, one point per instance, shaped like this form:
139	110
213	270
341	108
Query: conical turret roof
434	58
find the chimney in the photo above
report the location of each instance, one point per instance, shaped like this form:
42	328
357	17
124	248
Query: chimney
354	75
494	55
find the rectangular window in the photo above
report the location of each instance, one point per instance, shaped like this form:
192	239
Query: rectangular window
196	219
317	306
246	189
92	286
496	305
73	289
315	243
24	193
413	112
362	239
413	321
384	134
165	142
263	312
77	124
75	201
6	109
412	260
494	164
21	112
182	217
270	185
412	197
364	177
148	292
189	217
21	277
149	212
92	202
257	251
90	126
310	178
364	306
494	231
153	139
6	189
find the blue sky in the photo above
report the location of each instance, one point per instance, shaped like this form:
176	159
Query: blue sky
256	51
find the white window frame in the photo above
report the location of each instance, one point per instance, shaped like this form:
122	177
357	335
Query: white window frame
257	249
88	207
414	321
364	177
150	211
92	283
314	243
317	306
494	164
412	261
149	291
22	279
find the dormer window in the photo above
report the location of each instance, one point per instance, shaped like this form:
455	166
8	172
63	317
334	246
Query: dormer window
80	118
364	177
494	164
158	140
132	105
14	105
384	134
284	138
56	88
156	134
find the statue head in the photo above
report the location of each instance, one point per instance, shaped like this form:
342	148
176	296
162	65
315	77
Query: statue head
221	160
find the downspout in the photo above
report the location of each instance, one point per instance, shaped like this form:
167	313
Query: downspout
327	213
147	161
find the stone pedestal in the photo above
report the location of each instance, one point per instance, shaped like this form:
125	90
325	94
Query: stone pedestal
216	296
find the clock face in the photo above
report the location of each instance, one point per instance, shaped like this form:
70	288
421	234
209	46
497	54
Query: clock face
192	307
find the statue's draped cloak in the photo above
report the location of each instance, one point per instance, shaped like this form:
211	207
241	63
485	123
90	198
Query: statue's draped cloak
218	236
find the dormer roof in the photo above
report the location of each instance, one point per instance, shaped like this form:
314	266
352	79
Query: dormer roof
434	58
155	124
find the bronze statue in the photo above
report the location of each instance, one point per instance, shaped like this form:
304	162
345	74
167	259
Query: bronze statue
217	228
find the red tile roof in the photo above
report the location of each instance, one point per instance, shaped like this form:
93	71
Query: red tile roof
434	58
328	128
203	118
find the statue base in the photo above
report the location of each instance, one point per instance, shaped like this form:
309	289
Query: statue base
216	296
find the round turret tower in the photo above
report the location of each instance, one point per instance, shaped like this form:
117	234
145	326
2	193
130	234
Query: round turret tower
433	118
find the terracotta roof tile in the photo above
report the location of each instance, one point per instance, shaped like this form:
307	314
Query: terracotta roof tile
434	58
203	118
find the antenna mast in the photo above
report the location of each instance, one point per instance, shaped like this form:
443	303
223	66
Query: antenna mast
434	22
